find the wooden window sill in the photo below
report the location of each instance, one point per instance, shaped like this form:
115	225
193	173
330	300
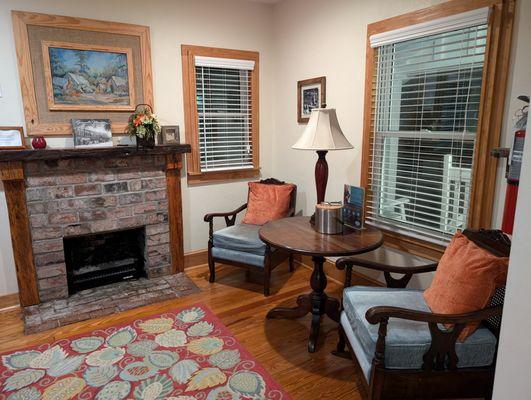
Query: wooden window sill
198	178
412	245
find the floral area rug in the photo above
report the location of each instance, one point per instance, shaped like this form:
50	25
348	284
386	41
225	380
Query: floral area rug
187	354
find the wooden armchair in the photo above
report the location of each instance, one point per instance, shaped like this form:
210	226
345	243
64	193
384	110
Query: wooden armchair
403	348
240	245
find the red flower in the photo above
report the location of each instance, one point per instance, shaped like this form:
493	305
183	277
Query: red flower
138	120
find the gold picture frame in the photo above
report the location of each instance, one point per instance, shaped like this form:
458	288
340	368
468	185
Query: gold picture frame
48	76
39	119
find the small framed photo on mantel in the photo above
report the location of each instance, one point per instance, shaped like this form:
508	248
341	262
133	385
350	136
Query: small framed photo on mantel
169	134
92	133
311	93
12	138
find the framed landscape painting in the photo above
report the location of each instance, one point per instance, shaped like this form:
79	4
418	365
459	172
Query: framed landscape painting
88	77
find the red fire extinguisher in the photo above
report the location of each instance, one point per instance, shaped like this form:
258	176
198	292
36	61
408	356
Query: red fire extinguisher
513	167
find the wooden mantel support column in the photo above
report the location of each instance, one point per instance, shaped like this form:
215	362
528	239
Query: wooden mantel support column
175	216
12	175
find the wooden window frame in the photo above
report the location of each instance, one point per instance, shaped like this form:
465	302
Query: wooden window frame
194	174
497	56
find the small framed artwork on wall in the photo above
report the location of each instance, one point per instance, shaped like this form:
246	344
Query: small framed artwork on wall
311	93
12	138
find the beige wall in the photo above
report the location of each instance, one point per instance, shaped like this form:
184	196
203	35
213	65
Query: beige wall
237	24
297	39
314	38
514	352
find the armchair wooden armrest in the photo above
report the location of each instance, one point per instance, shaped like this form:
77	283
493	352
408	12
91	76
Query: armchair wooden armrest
211	216
348	262
407	271
230	218
441	354
378	314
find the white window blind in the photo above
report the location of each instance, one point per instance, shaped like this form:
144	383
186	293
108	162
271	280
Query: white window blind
425	115
440	25
224	108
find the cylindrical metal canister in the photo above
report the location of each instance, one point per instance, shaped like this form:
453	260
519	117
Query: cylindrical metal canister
328	218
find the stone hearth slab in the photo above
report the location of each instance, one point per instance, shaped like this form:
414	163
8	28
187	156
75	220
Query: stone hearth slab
105	300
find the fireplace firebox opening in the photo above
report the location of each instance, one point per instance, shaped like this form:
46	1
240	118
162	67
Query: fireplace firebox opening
104	258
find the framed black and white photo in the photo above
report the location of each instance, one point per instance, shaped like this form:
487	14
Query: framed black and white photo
92	132
170	134
311	93
12	138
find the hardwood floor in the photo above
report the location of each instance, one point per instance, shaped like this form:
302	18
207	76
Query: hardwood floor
279	345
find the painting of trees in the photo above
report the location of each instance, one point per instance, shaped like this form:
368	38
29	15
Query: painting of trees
90	76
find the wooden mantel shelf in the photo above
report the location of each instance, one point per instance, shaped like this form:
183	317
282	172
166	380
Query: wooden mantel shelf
116	151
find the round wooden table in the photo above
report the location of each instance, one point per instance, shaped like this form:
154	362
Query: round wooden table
297	235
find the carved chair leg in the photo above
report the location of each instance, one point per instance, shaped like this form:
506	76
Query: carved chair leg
211	267
341	344
291	263
267	270
375	391
267	281
348	276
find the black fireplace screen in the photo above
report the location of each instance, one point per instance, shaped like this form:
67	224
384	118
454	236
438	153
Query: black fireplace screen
104	258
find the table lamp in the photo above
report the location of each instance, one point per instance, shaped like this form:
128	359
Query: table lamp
322	134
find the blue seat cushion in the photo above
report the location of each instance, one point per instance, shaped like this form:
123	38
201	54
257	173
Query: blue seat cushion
241	237
239	256
407	341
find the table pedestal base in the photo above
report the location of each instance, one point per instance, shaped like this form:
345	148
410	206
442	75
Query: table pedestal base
317	302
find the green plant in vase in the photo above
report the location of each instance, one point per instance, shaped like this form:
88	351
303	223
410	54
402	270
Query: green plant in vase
143	125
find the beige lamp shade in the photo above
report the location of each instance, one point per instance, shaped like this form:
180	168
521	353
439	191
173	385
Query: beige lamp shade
323	132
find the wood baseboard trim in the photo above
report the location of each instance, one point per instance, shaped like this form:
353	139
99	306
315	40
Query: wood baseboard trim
195	258
9	301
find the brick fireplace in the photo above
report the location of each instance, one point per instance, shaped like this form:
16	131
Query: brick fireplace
78	197
69	196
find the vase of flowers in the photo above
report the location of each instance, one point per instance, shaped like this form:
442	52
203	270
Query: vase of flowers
143	125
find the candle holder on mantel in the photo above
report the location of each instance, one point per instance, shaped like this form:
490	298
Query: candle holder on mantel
322	135
38	143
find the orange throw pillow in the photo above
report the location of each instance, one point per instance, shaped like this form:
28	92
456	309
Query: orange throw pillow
267	202
465	280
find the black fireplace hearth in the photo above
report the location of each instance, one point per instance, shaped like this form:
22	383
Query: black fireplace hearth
104	258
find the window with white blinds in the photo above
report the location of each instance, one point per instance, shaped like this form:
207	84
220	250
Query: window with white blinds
426	103
224	111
